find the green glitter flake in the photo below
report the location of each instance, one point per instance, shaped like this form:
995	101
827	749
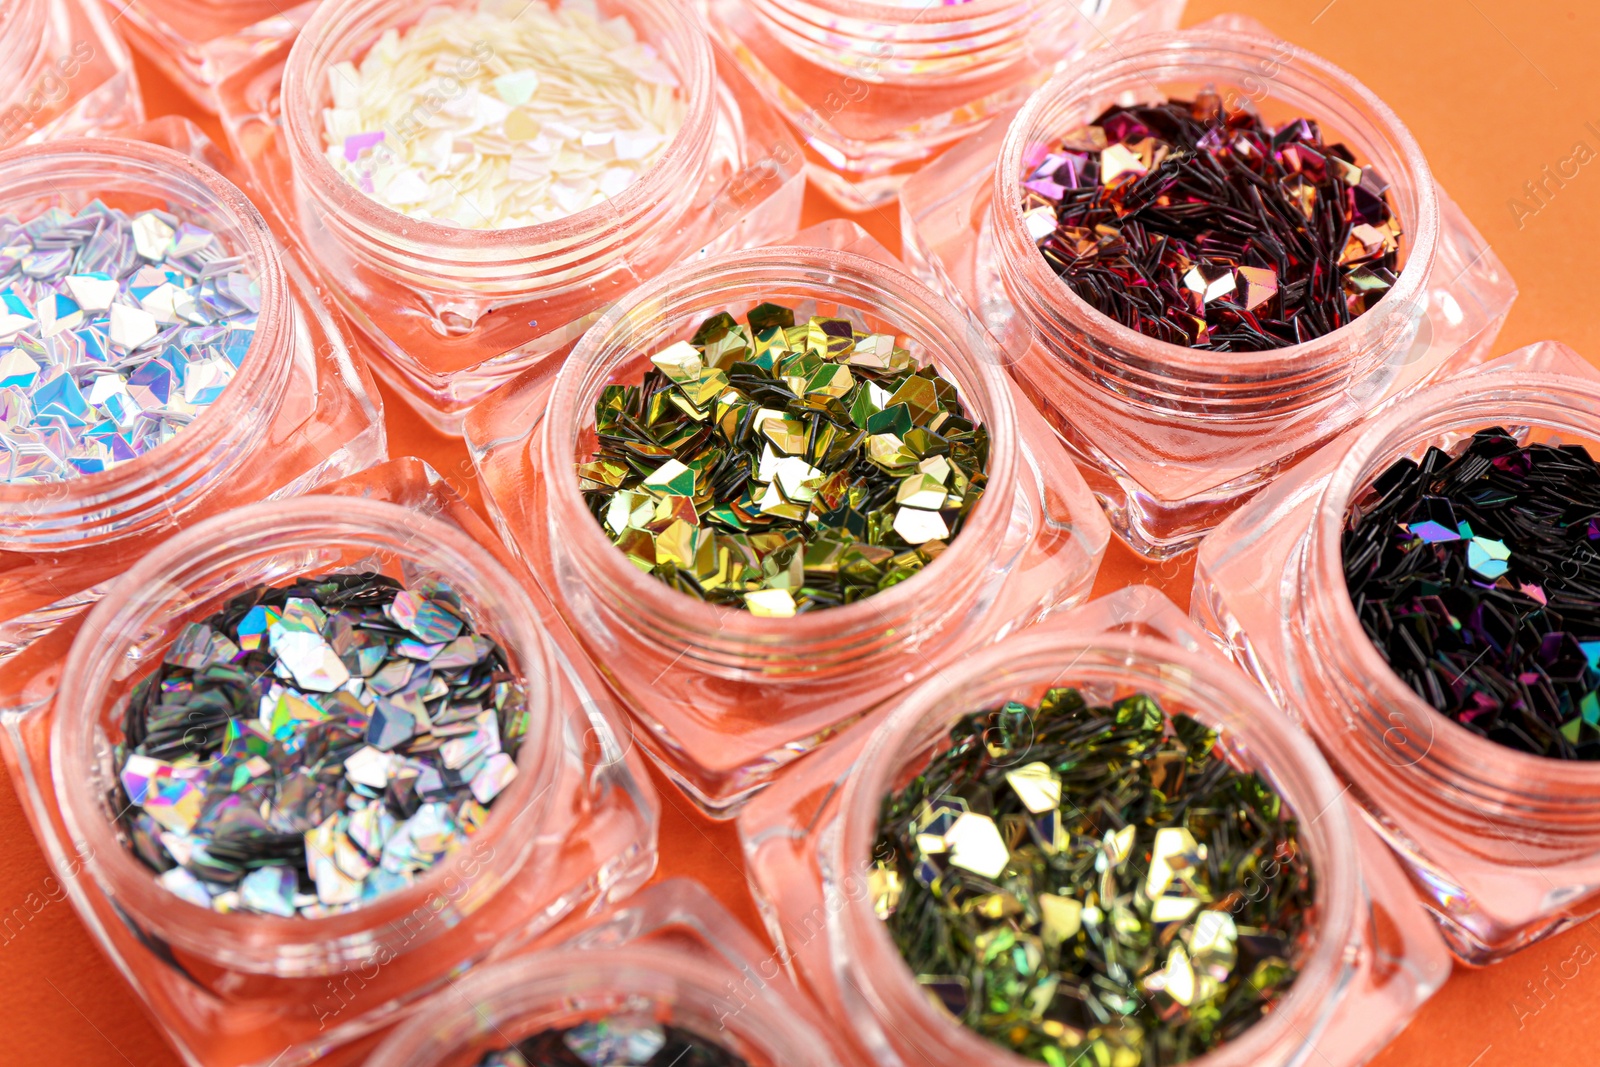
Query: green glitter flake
1093	884
783	467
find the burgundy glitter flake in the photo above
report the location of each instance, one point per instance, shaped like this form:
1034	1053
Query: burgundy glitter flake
1205	227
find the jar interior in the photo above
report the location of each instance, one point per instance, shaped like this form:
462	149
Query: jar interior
74	181
359	26
508	1026
512	1003
1250	737
1265	82
268	548
624	357
70	181
1402	727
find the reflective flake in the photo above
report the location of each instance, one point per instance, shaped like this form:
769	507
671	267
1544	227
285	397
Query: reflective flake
618	1041
240	720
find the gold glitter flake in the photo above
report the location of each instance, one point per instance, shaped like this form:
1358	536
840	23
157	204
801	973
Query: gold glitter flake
975	845
1037	786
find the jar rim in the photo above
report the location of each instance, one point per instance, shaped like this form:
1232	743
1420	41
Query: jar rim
591	359
259	942
1198	47
1274	744
1386	438
898	15
333	24
545	976
260	378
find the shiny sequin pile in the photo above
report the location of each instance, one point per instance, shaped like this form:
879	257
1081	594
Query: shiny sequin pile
1093	884
1477	576
617	1041
1208	228
115	333
511	115
316	746
784	467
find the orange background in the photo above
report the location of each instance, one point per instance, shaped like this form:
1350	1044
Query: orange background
1495	91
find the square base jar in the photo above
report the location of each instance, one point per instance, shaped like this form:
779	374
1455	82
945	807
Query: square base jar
876	89
68	74
200	43
236	989
670	951
1172	438
301	411
1503	847
808	839
721	699
456	313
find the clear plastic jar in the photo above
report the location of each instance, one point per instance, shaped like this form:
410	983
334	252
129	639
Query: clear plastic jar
1503	846
670	952
298	413
878	88
201	43
576	825
1172	438
1373	958
723	699
67	73
454	313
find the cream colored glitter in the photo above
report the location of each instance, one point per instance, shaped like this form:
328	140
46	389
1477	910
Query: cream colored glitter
514	114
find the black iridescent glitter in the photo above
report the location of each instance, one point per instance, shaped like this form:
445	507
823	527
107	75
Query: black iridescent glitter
1477	577
1203	226
617	1041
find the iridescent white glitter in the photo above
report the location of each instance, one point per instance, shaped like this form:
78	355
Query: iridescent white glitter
115	333
511	115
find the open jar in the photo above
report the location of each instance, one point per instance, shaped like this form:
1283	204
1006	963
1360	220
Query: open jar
1172	437
1501	844
1370	957
877	89
296	412
70	75
667	967
453	311
200	43
723	699
574	826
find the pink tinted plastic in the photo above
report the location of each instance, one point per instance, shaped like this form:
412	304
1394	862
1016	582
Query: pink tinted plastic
1172	438
456	313
577	828
1503	846
722	699
877	88
1374	957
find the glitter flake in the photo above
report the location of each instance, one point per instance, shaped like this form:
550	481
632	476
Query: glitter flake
262	774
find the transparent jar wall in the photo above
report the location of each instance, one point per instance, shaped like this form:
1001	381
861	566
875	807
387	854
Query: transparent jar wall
299	397
233	989
69	75
200	43
1504	847
808	842
723	699
1173	438
876	89
453	314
